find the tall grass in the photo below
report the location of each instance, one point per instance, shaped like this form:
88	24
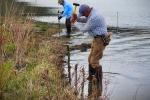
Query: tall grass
16	30
30	63
14	38
21	32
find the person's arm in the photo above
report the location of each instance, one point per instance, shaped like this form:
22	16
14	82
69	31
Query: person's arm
78	19
64	13
66	9
86	27
89	24
82	20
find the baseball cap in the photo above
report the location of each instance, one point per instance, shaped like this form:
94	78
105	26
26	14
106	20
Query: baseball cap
82	9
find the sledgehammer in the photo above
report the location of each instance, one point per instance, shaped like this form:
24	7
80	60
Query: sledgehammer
75	7
74	12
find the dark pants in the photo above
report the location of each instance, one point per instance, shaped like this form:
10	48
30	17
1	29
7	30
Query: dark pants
97	72
68	26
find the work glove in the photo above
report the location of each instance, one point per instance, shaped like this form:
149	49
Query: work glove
59	17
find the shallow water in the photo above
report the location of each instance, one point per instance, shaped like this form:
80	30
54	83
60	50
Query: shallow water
126	64
131	13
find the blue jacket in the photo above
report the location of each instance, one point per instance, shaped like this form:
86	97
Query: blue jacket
68	9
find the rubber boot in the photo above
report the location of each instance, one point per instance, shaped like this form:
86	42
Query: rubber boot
99	76
89	78
92	73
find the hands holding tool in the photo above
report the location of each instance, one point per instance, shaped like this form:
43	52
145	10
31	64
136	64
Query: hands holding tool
60	15
74	18
74	15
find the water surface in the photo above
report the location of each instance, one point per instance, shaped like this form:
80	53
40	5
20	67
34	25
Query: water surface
131	13
125	64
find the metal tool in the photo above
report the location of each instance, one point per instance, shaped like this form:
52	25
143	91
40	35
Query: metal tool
59	22
74	12
75	7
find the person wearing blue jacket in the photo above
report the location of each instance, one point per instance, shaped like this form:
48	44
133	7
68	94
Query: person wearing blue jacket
68	11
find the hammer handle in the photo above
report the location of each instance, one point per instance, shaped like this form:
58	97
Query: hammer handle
75	8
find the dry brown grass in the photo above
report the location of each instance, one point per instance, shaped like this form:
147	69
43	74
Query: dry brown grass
21	32
41	80
41	77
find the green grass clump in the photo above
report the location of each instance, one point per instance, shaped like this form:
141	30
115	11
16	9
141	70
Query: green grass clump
9	49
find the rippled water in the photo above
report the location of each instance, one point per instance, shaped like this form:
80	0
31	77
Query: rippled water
129	55
126	64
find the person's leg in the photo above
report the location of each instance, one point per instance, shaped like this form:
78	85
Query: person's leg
96	52
91	72
91	69
99	77
68	26
95	55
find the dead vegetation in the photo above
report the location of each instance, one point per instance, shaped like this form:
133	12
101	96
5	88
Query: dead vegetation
30	61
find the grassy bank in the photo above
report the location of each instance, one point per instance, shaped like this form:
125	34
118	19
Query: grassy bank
31	63
31	60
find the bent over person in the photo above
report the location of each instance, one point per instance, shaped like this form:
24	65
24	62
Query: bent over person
96	26
68	10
